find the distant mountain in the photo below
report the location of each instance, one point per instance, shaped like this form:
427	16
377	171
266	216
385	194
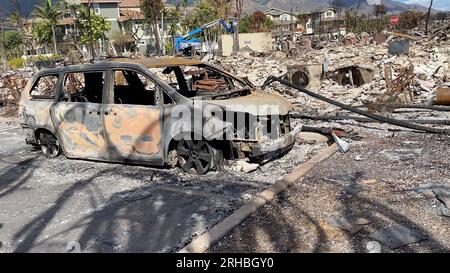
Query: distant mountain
251	5
312	5
26	6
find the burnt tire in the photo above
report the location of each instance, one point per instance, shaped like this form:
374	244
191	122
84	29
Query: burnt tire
197	156
49	145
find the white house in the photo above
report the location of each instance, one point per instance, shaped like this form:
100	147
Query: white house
285	20
279	15
328	14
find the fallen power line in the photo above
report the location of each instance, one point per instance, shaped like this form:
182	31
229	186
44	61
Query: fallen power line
379	118
362	119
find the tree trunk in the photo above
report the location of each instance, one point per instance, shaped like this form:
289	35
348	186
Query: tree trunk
55	47
428	18
155	28
2	47
236	30
163	46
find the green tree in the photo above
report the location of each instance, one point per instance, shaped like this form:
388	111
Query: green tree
268	23
122	39
221	8
4	59
13	43
152	11
244	26
205	12
16	20
91	26
50	13
42	33
174	16
256	22
13	40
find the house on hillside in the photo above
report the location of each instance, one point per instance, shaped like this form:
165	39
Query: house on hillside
108	9
279	15
125	16
322	16
284	21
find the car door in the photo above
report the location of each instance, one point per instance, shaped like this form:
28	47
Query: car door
133	118
77	115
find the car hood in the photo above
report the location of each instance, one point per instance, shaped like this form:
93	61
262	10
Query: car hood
256	103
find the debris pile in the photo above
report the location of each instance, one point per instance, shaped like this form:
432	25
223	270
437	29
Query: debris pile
360	73
11	85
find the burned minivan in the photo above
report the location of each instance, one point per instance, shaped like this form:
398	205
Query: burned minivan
156	112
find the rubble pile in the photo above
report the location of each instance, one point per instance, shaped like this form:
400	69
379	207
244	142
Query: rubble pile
429	62
356	70
11	85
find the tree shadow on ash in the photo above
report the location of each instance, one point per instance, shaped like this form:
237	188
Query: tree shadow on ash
12	178
146	219
381	216
100	222
273	231
153	223
287	227
31	231
152	219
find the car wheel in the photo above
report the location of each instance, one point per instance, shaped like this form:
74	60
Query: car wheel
49	145
197	156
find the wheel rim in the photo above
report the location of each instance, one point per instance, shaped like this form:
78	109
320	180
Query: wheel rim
194	156
50	148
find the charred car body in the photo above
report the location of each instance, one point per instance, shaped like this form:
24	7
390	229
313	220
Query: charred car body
120	111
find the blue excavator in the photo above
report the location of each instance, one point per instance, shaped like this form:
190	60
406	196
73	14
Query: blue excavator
187	42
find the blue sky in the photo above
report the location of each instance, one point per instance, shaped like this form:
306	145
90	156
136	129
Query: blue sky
437	4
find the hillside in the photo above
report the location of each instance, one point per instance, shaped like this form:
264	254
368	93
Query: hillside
311	5
25	6
252	5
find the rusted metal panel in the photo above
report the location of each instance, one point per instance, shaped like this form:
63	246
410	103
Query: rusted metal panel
443	96
80	130
133	130
36	115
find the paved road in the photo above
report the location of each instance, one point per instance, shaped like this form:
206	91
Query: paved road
46	204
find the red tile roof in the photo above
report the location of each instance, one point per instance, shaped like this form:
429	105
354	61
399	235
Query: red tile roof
127	14
130	3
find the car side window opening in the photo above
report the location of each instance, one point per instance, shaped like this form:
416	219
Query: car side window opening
198	81
84	86
131	87
45	87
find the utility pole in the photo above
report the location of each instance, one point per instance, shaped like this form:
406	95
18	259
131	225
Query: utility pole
239	4
428	17
163	48
292	24
90	29
2	46
20	24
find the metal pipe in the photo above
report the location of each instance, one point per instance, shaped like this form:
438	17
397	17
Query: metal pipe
362	119
383	119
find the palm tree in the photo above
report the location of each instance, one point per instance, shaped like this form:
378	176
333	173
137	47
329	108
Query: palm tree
49	12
